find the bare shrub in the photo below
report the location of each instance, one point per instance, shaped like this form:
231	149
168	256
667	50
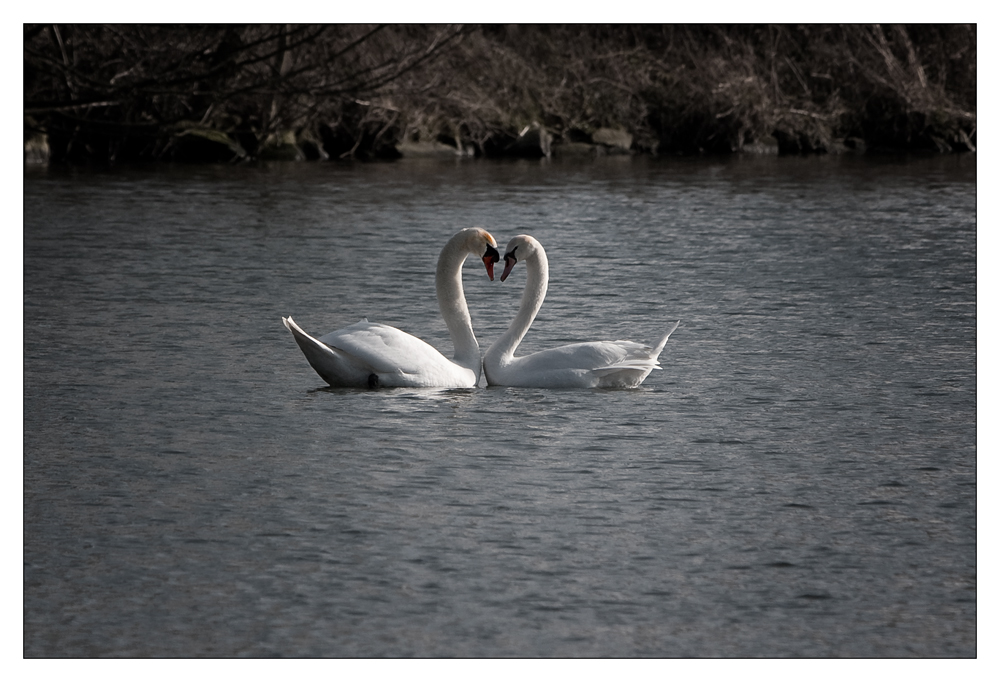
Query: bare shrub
108	93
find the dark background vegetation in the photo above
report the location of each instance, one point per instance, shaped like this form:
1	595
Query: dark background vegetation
121	93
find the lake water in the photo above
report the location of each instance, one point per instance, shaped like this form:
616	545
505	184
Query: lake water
799	479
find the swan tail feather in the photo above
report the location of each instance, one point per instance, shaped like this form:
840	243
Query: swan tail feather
333	365
663	342
641	358
632	370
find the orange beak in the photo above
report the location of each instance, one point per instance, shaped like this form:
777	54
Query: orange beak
489	258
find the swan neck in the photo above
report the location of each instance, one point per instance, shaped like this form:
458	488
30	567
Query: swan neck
535	286
454	309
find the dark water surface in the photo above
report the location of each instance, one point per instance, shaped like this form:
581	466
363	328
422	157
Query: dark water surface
799	479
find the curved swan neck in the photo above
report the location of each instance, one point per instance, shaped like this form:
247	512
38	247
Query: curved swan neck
454	310
537	265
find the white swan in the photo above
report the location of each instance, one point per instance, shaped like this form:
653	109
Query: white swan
367	354
595	364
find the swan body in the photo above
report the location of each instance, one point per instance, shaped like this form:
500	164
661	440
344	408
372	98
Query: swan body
372	355
594	364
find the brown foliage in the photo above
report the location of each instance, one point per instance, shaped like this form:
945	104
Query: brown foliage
109	92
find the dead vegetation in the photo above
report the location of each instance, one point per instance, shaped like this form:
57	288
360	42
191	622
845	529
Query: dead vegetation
107	93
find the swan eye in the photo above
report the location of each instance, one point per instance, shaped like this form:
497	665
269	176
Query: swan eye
492	254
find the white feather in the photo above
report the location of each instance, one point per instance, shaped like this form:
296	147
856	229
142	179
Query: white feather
368	354
594	364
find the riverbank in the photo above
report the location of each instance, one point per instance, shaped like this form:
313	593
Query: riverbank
104	94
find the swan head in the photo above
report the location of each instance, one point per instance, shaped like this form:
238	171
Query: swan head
520	247
481	243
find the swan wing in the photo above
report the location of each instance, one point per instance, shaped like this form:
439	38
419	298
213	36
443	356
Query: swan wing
383	348
573	365
621	364
592	356
397	358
